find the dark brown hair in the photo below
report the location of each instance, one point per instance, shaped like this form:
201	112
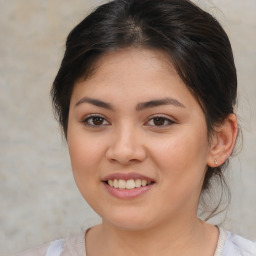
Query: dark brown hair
195	42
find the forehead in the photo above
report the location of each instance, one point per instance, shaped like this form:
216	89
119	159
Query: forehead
146	60
134	74
132	63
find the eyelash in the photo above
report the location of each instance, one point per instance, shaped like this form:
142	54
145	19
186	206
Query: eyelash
166	121
91	118
162	118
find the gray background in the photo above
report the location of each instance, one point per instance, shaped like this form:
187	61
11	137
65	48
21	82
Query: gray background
38	197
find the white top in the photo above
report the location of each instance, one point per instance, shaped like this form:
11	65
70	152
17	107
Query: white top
55	248
236	245
228	245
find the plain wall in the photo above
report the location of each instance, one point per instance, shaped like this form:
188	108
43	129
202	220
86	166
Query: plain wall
38	197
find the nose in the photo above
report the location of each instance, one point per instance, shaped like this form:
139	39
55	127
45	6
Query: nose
126	147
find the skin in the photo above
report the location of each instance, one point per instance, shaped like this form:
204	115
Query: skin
173	151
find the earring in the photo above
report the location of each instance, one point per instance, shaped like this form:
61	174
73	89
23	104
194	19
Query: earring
215	162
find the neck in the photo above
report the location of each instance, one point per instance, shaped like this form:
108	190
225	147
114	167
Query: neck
178	238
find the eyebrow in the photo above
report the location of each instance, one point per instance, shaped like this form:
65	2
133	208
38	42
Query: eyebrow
159	102
139	107
95	102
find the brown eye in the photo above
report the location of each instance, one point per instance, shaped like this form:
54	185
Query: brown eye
95	121
159	121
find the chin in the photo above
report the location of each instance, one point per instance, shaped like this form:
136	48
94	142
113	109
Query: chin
130	225
131	221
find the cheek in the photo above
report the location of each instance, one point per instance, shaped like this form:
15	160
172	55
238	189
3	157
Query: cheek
84	153
181	162
82	146
83	156
182	155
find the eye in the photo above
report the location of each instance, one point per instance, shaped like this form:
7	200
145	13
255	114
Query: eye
160	121
95	120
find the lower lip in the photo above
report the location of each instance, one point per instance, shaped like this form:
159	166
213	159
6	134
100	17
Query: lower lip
127	193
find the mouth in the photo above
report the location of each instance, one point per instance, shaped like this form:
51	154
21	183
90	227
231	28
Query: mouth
128	184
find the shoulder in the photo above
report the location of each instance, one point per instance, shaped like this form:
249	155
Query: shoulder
236	245
37	251
72	245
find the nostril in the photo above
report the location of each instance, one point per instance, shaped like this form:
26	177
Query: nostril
125	149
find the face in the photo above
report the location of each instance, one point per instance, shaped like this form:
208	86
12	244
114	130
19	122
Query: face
137	140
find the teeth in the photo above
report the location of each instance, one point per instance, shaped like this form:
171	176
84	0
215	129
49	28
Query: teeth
128	184
144	183
137	183
121	184
115	183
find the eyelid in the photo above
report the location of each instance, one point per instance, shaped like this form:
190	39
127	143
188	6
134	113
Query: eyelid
167	118
88	117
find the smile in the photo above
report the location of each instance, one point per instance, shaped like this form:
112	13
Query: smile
128	184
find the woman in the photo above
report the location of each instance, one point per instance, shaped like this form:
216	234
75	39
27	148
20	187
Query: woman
145	95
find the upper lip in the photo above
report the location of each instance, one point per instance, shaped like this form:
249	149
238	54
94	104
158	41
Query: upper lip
126	176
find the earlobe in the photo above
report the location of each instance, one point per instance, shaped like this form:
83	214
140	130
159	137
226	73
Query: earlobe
223	141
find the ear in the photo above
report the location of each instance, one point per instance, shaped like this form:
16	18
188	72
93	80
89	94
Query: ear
223	141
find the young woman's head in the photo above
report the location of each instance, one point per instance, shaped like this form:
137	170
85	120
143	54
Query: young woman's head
148	86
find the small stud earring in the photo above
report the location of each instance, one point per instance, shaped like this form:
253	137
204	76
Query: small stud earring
215	162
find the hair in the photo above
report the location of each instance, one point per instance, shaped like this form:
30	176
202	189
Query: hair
194	41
